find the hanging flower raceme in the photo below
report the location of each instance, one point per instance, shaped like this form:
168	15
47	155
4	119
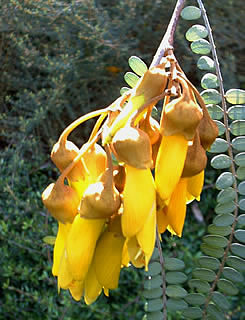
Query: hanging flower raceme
131	179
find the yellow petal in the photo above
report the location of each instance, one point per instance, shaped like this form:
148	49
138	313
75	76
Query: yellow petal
108	259
76	290
92	288
125	256
162	220
176	209
195	185
146	237
138	200
169	164
136	255
64	274
81	243
63	230
106	292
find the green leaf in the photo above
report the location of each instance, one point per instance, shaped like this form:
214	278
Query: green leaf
226	195
154	269
235	96
241	220
201	46
211	96
199	285
224	220
49	240
212	251
137	65
153	305
205	63
220	300
209	262
241	204
215	241
153	315
204	274
153	293
232	275
221	127
131	79
226	207
225	180
174	291
153	283
237	127
214	312
237	112
240	159
123	90
155	255
209	81
219	145
195	299
240	173
196	32
240	235
191	13
239	143
192	313
215	111
222	231
175	277
176	304
227	287
174	264
236	262
241	188
238	249
221	161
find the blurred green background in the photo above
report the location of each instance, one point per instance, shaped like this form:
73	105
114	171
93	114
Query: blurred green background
58	60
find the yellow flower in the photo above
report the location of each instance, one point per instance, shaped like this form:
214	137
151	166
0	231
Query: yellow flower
169	164
176	208
194	187
59	246
108	259
81	243
139	199
76	289
92	287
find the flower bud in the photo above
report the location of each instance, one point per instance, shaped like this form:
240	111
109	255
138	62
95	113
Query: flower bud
132	146
61	201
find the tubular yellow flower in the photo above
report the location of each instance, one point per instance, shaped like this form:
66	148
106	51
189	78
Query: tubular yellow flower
147	235
176	209
108	259
76	289
92	288
136	255
64	275
169	164
194	187
139	198
59	246
81	243
162	220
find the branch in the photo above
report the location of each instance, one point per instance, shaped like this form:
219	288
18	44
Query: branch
168	39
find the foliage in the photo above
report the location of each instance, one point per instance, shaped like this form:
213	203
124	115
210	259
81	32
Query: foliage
60	59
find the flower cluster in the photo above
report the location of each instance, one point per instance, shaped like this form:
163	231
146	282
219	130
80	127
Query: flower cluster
131	179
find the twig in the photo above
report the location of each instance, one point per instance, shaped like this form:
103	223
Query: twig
168	39
228	139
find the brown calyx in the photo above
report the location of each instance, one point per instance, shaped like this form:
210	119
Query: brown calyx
132	146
